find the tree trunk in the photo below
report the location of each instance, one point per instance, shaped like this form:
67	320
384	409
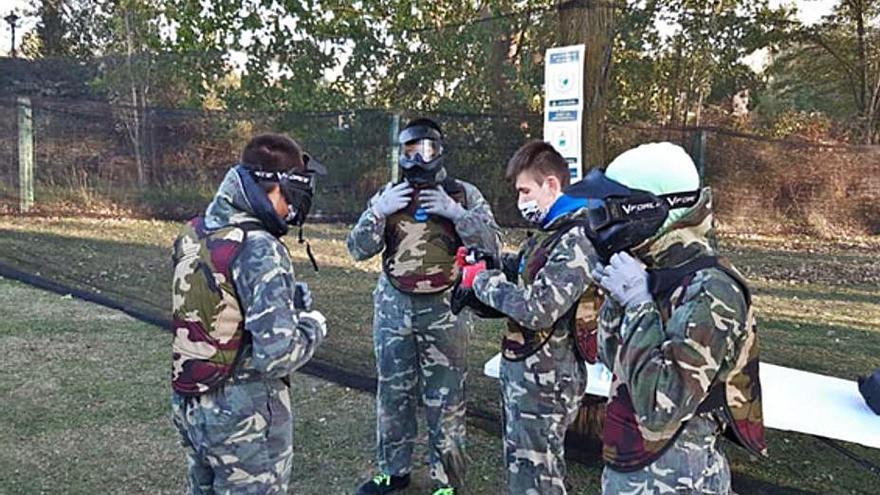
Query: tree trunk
858	9
591	23
675	93
133	118
874	113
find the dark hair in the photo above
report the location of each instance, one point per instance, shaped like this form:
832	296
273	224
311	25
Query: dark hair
273	153
542	160
425	122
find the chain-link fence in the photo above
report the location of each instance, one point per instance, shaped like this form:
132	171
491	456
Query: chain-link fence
86	162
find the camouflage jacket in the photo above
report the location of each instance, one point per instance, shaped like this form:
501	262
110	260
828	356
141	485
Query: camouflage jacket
667	355
277	341
475	229
547	288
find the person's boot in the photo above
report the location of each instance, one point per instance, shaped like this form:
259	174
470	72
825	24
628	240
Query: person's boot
384	483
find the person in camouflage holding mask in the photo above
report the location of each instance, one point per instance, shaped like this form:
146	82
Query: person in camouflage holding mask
418	225
677	329
242	324
543	296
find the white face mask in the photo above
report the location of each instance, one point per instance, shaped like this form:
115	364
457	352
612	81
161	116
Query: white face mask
532	212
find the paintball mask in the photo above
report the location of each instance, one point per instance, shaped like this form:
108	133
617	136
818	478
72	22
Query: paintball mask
297	186
620	218
421	155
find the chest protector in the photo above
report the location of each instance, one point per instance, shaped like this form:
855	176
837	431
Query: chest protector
208	320
520	342
420	249
735	397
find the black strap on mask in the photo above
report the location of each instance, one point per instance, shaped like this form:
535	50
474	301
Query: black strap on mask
309	253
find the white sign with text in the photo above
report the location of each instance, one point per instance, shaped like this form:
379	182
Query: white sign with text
564	104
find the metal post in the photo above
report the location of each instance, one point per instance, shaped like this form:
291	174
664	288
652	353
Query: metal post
25	154
699	152
393	131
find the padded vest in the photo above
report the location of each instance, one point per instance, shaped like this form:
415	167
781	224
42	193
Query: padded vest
519	342
207	317
735	398
419	256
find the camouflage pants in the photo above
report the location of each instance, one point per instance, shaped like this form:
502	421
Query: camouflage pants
692	465
238	439
417	340
541	396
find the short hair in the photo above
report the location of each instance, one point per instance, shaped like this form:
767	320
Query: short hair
425	122
542	160
273	153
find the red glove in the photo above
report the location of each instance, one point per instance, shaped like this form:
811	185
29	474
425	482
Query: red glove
469	271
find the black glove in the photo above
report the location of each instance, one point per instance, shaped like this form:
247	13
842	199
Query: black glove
464	297
510	266
463	293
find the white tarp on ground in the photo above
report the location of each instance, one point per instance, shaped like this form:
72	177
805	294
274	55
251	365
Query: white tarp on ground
794	400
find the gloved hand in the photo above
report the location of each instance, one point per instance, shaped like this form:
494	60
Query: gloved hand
318	319
302	297
510	266
472	263
625	279
392	200
437	202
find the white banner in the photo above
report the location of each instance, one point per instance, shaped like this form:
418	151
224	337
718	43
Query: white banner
793	400
564	104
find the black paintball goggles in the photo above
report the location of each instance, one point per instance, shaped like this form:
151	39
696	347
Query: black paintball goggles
297	186
421	155
620	218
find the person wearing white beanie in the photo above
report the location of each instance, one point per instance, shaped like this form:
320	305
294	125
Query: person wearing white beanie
676	328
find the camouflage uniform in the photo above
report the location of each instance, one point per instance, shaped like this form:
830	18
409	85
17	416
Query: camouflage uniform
418	340
542	378
669	357
239	437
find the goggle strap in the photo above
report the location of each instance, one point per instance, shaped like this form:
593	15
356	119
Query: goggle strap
645	206
306	179
263	175
685	199
309	252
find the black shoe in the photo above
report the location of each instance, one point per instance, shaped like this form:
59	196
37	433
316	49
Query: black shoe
384	483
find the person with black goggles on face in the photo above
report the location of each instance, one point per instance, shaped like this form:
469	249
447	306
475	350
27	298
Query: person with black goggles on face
418	224
677	328
242	324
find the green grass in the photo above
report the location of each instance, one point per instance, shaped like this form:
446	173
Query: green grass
79	400
86	411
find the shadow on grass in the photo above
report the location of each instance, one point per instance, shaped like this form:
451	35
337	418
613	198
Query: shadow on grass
137	276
